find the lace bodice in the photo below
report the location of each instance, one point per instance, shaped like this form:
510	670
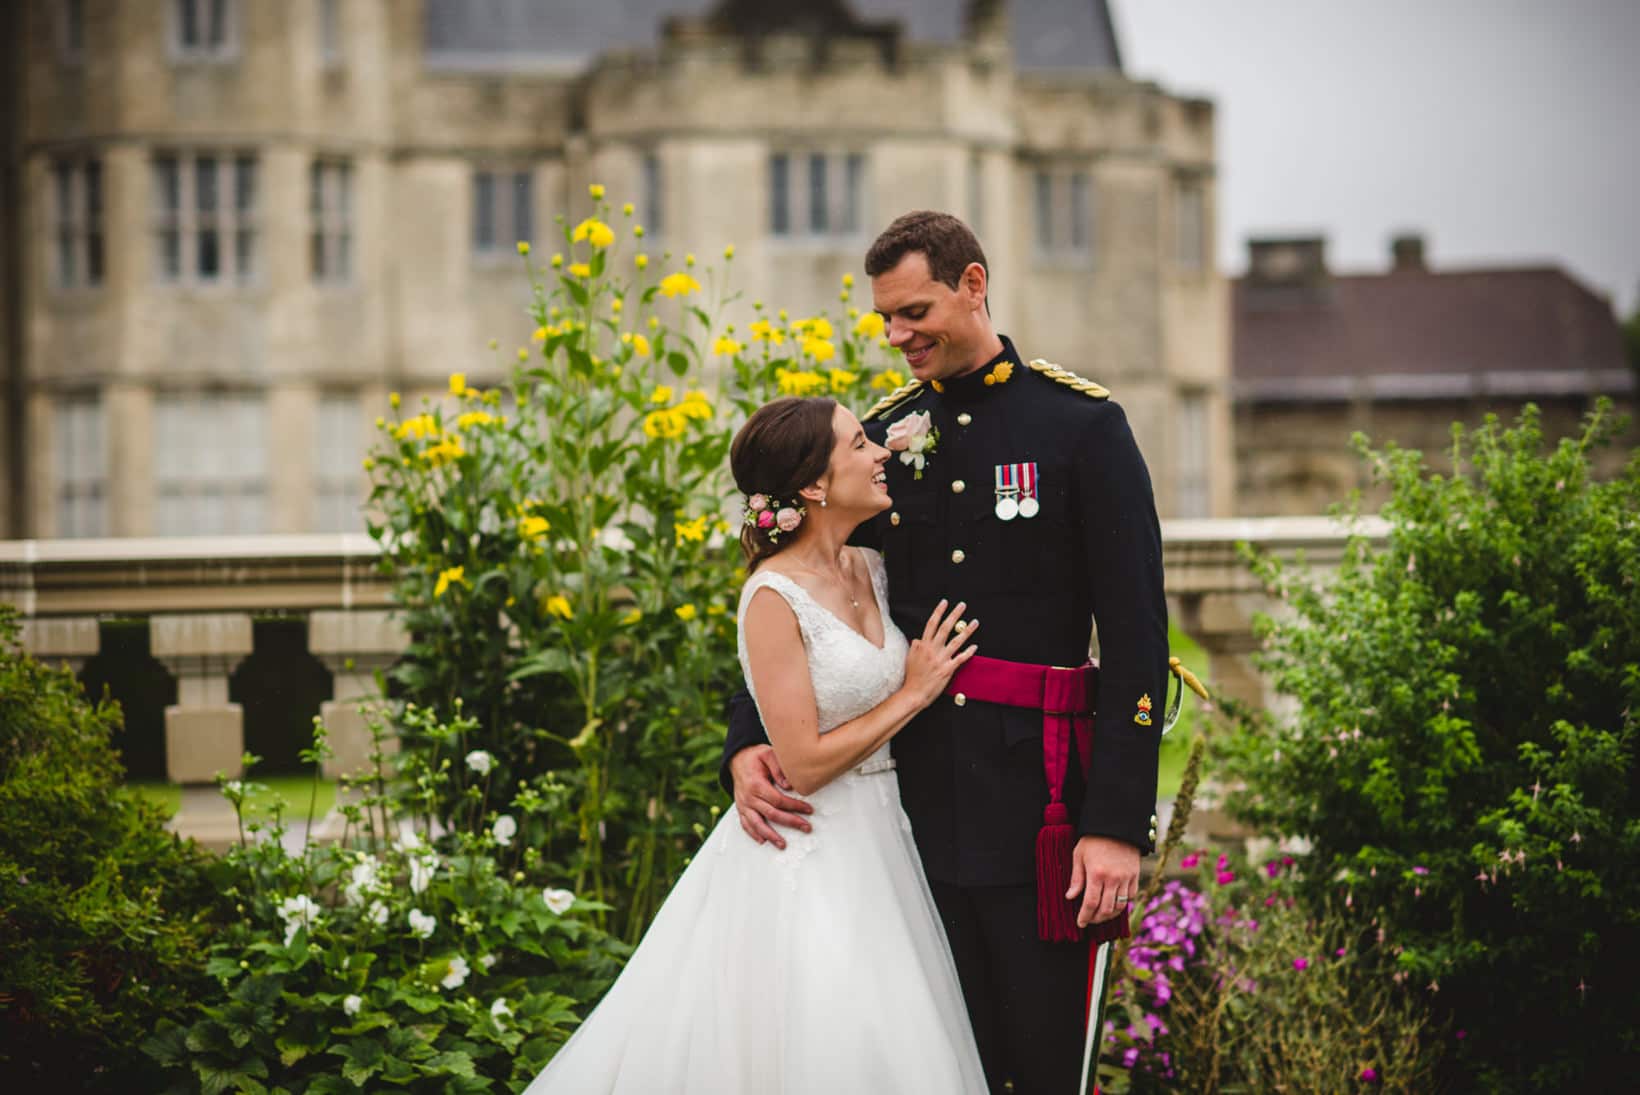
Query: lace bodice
851	675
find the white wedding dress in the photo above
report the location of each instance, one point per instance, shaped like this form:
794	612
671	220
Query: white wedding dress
819	969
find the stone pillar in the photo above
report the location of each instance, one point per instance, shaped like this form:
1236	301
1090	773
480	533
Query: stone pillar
353	646
68	641
204	733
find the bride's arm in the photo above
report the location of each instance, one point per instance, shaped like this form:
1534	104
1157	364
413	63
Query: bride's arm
780	676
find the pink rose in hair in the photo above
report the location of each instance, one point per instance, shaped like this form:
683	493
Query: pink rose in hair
788	519
765	519
757	503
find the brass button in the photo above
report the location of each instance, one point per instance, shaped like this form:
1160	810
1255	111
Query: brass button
964	418
894	518
1153	836
959	699
958	486
958	556
1153	820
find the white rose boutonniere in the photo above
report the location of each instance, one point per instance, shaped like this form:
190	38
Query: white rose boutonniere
915	439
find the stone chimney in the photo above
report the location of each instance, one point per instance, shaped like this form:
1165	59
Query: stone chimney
1291	262
1407	254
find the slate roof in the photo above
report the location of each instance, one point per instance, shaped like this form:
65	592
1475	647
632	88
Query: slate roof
1048	35
1413	334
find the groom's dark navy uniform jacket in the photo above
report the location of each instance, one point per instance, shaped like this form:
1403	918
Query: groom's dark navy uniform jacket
971	774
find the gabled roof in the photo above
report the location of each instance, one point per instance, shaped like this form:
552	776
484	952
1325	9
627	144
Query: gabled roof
504	34
1415	334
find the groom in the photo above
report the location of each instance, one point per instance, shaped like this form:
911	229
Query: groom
1034	506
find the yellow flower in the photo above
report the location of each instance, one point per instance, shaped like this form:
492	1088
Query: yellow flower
725	346
782	315
686	612
594	231
654	323
887	380
690	531
814	326
523	247
819	349
843	296
626	210
475	418
678	285
689	259
764	331
557	260
533	527
641	261
393	400
597	191
639	344
616	305
799	382
541	334
661	396
454	575
870	325
368	463
632	616
842	380
715	610
580	270
695	405
558	605
523	355
729	251
380	422
442	453
419	427
854	313
848	281
670	423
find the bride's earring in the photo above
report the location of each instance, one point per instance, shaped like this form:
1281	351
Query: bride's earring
822	503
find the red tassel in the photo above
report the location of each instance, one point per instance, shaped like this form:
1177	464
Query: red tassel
1055	914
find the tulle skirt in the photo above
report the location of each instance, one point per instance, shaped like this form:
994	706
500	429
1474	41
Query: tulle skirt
819	968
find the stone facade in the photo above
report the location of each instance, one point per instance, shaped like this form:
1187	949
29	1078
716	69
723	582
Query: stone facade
157	397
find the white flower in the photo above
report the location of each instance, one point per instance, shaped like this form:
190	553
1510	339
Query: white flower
298	912
480	761
455	973
364	878
352	1004
487	961
409	840
499	1011
421	924
615	538
422	869
377	914
505	828
558	901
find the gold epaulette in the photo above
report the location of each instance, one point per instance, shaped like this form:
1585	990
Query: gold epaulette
893	399
1070	380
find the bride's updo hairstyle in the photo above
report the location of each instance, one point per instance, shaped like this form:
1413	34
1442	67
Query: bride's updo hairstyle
783	447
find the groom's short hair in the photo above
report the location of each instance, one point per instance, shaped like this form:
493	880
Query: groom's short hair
947	244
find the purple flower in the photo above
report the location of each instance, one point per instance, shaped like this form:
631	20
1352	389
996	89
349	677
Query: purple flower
1268	901
1286	861
1461	1035
1339	953
1301	964
1226	877
1130	1056
1189	861
1369	1074
1272	868
1224	861
1420	870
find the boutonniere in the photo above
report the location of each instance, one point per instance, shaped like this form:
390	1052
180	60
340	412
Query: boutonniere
915	439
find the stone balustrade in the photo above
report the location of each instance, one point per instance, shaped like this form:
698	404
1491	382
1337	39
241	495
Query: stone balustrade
200	594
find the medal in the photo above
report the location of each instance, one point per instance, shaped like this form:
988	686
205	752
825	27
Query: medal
1028	505
1007	507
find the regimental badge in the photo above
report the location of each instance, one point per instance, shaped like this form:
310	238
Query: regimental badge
1142	716
1016	489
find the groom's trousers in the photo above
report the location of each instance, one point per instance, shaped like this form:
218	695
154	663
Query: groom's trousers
1026	999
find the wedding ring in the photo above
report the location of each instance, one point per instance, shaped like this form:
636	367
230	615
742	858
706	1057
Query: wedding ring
1121	899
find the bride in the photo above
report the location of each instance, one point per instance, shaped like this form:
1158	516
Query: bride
822	967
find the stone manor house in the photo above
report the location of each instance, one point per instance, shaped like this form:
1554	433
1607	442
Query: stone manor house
228	228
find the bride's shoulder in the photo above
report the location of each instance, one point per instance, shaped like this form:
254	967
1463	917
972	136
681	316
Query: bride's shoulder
873	559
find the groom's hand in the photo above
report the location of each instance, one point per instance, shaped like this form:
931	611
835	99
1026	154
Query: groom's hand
760	797
1101	871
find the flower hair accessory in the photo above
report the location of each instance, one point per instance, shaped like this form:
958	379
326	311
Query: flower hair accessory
772	517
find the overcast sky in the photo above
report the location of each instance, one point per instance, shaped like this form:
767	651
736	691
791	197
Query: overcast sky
1506	131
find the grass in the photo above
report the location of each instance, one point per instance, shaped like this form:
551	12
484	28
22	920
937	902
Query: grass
293	789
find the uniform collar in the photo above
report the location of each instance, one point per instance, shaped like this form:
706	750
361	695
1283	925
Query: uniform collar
1002	369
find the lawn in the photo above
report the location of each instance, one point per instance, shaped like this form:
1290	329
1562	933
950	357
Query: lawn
294	790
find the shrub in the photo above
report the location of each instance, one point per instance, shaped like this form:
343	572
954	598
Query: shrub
402	958
1461	757
564	559
103	914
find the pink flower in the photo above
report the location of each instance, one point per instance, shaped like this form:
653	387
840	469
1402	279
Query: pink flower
757	502
1226	877
788	519
1370	1075
1301	964
1190	861
1339	953
1420	870
1224	861
1287	861
911	428
765	519
1272	868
